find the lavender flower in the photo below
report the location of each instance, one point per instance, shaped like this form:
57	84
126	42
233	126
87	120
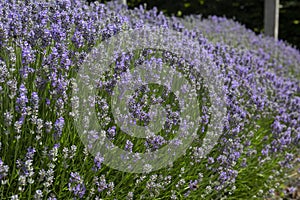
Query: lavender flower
44	45
76	185
98	160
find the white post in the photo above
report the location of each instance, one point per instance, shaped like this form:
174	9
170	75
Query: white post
124	2
271	18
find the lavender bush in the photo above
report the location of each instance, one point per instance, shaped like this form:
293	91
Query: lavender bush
43	47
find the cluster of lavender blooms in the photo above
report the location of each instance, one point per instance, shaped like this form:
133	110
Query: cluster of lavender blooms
281	57
42	45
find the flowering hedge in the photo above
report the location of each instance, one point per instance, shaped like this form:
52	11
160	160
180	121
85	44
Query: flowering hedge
41	156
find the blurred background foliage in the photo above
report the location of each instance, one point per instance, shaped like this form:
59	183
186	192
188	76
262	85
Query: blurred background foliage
248	12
